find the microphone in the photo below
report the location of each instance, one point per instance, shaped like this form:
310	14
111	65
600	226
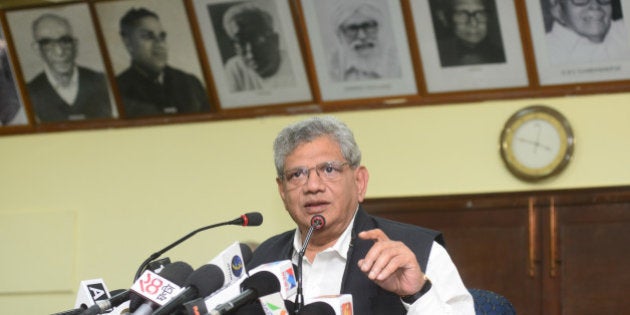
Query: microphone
157	287
101	307
257	285
203	281
232	261
329	305
271	304
283	270
317	223
247	219
89	293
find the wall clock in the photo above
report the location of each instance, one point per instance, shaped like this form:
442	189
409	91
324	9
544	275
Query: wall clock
536	142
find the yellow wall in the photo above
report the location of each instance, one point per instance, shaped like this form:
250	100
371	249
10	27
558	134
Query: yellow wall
94	204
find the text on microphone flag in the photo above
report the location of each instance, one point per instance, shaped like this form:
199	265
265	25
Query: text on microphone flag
155	288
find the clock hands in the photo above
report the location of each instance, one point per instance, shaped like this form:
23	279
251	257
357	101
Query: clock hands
536	143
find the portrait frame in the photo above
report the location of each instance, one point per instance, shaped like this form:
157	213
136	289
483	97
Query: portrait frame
552	72
89	54
503	25
319	17
289	84
12	109
179	35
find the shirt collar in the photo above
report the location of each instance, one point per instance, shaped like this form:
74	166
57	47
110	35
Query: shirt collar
341	246
74	80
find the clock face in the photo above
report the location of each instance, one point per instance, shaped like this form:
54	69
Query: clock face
536	142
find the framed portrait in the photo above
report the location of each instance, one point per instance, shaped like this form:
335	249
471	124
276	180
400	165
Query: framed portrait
478	42
578	41
154	57
11	106
360	48
61	62
253	51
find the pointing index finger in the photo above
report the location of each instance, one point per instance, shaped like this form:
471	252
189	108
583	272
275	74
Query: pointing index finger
375	235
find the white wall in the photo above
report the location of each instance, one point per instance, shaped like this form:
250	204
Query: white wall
94	204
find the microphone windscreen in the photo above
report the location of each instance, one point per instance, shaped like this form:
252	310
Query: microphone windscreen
252	219
317	308
176	272
253	308
263	282
207	279
246	253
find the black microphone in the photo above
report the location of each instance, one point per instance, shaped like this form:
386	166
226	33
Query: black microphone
257	285
257	308
317	223
247	219
329	305
176	273
203	281
75	311
317	308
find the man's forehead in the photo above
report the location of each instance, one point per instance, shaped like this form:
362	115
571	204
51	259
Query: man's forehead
52	27
468	3
149	24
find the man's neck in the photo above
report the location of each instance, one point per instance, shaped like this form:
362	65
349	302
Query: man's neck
62	79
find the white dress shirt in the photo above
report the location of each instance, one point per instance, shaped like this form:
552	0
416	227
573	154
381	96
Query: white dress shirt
567	47
323	276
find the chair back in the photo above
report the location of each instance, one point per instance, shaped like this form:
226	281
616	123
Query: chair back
491	303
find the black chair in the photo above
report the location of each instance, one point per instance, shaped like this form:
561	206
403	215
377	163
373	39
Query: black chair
491	303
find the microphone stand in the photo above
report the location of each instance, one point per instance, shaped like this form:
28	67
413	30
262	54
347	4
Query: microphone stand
317	222
237	221
299	297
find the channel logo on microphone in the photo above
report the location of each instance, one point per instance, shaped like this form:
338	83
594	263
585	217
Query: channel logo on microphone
237	266
346	308
289	278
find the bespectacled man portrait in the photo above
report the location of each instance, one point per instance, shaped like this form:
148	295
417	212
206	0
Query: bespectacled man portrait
467	32
363	49
585	31
64	90
248	35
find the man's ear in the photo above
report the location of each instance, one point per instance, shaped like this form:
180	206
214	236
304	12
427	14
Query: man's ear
362	177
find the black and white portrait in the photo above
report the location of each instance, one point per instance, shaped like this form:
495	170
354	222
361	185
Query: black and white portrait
585	31
154	56
250	45
467	32
580	40
11	108
360	48
361	41
253	52
469	45
61	61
